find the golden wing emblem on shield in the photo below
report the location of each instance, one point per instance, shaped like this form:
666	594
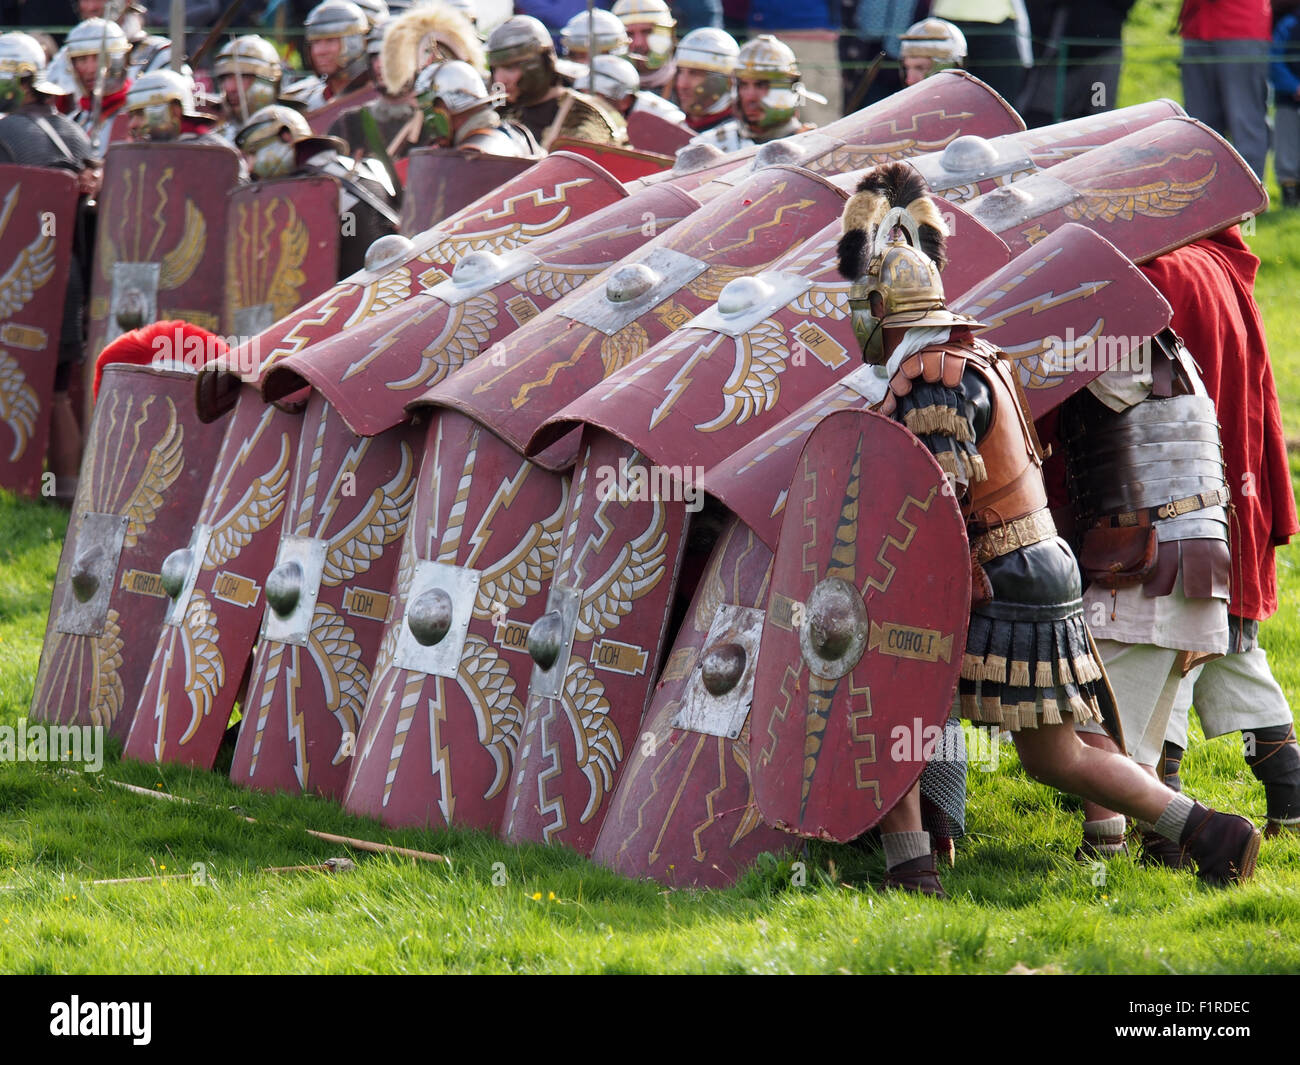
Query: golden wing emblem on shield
486	682
205	669
19	404
635	571
520	574
105	682
32	268
164	465
597	742
381	521
333	647
754	385
709	285
627	344
554	283
461	339
260	504
178	265
1156	199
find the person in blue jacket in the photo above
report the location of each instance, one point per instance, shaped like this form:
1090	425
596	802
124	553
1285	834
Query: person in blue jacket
1284	73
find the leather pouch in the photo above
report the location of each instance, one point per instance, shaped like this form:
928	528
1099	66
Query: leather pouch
1119	558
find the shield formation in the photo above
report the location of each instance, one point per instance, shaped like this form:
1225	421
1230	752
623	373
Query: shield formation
37	221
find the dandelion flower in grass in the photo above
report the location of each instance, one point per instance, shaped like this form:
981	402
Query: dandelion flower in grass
537	896
550	895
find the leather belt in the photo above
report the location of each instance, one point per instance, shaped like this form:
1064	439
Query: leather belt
1175	508
1012	535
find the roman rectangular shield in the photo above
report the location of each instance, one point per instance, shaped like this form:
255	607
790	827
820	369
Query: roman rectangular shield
441	181
649	132
864	633
282	249
38	219
146	463
323	117
626	164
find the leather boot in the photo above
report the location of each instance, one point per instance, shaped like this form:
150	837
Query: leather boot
1159	851
1224	846
918	876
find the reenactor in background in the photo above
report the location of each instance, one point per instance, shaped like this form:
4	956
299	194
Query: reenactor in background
336	33
83	48
459	112
160	107
393	110
522	60
650	28
147	52
33	133
705	62
770	90
615	80
600	33
248	73
278	142
929	46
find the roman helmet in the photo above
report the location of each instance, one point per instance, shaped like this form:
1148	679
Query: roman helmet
22	64
935	39
712	52
892	247
524	40
375	10
772	61
447	89
599	32
254	57
346	21
89	36
427	34
149	101
611	77
652	18
270	153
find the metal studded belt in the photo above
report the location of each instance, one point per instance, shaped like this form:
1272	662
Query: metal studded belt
1022	532
1175	508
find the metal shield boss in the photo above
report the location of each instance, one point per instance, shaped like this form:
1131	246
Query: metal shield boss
864	632
1147	193
445	713
1066	310
684	811
327	598
374	370
973	165
649	132
441	181
557	190
38	216
160	243
282	249
215	569
146	464
596	647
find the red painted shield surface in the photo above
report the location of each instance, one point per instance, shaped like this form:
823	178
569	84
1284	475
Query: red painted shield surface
1147	193
648	132
37	221
542	367
282	249
772	342
445	713
323	117
327	600
971	166
684	811
598	645
1066	310
160	244
371	372
146	463
626	164
442	181
864	633
216	572
560	189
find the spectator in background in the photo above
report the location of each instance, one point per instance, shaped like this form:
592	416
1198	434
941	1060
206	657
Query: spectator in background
692	14
1225	71
552	14
997	40
1088	43
1284	72
812	29
872	29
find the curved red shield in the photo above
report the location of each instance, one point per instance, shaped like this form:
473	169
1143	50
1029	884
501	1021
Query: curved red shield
865	629
442	181
626	164
38	210
684	811
146	464
219	563
649	132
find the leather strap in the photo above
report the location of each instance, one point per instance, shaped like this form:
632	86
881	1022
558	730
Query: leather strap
1011	536
1175	508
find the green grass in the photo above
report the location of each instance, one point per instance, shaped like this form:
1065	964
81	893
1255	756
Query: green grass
1018	897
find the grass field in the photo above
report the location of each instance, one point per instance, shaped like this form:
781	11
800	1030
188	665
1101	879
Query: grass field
1019	900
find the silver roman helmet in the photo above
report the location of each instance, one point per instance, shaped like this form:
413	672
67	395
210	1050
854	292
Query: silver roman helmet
611	77
249	57
88	37
650	26
601	32
929	46
346	21
268	140
22	63
448	89
769	60
150	99
523	40
713	53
